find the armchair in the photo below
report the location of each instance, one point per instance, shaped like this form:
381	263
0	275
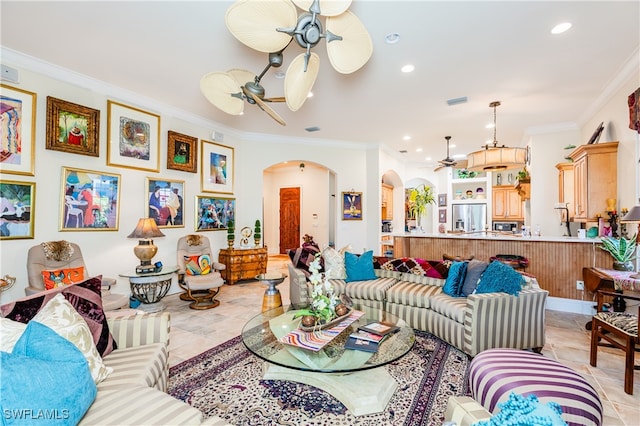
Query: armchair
198	275
59	255
620	330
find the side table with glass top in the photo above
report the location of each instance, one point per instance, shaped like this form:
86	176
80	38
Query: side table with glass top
151	287
356	378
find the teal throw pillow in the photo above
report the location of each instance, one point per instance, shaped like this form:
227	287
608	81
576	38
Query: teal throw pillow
45	380
455	279
359	268
519	410
499	277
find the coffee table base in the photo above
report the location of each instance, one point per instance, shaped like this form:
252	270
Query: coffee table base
362	392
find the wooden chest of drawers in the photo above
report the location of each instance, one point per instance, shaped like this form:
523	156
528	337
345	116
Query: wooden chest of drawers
243	264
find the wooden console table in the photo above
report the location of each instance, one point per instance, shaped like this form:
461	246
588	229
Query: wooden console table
243	264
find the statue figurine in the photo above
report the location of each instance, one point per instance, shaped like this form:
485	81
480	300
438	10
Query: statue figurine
613	222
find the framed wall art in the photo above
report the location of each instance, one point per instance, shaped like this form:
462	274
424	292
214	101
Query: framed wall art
442	216
442	200
217	168
89	201
165	202
133	137
352	206
72	128
182	152
214	213
18	134
17	202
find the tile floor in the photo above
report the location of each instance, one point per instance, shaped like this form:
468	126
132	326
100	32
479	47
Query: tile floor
193	332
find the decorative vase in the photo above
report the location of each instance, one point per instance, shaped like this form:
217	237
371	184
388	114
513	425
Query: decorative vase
623	266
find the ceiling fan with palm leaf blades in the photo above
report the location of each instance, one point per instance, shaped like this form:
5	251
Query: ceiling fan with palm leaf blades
270	26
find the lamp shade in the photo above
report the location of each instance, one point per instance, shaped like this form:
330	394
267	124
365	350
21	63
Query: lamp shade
497	158
146	228
633	215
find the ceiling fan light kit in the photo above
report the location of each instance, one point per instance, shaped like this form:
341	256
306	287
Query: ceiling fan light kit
269	26
494	158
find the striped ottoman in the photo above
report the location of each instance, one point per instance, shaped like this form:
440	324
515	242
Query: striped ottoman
495	373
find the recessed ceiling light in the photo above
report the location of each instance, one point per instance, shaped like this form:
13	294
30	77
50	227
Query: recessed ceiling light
418	149
279	75
490	126
408	68
392	38
459	155
406	137
310	95
428	158
453	145
489	142
560	28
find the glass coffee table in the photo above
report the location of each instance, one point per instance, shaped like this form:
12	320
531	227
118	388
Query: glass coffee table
356	378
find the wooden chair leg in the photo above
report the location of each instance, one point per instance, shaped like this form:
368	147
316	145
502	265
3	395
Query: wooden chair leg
628	365
593	356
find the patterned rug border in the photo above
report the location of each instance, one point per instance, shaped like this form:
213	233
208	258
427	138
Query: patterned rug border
226	381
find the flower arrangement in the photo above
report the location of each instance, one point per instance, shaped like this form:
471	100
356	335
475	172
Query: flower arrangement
325	304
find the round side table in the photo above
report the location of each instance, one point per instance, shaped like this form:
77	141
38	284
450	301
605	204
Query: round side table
272	298
150	288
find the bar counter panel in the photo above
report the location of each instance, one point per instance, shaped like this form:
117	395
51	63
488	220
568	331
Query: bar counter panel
555	262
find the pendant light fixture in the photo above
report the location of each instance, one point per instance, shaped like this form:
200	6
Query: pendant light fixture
493	158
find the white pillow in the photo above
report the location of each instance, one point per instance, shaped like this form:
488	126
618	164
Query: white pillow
334	263
59	315
10	332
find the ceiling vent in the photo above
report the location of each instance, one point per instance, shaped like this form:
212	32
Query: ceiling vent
456	101
403	151
312	129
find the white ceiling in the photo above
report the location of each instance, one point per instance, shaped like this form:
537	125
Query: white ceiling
486	51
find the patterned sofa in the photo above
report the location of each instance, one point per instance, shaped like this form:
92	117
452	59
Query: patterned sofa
472	324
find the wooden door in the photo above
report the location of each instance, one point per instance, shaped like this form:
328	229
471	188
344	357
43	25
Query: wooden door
289	219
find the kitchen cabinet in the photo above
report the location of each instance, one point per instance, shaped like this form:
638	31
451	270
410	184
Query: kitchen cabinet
565	186
507	204
243	264
387	202
595	177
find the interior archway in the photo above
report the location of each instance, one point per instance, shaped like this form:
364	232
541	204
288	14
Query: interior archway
429	220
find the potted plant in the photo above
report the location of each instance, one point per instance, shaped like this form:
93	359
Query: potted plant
256	233
622	250
230	234
419	198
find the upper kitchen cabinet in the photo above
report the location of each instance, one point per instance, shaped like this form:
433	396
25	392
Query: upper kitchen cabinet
595	177
507	204
387	202
565	186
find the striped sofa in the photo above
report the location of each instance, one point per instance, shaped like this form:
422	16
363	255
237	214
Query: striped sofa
135	392
495	373
472	324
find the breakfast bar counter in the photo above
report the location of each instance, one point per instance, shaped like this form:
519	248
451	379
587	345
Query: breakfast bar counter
556	262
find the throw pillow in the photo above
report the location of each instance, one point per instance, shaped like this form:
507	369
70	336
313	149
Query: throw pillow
455	279
359	268
197	265
59	315
475	268
519	410
412	266
499	277
44	374
334	264
60	277
303	256
85	297
10	332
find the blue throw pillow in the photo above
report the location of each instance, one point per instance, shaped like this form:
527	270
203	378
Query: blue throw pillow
455	279
474	271
499	277
359	268
45	380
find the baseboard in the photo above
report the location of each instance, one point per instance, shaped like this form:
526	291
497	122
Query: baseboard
584	307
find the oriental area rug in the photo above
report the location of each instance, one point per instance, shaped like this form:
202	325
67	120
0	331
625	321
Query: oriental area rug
227	381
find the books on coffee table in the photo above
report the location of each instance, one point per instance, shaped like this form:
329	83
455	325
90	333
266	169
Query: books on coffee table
380	328
361	344
365	335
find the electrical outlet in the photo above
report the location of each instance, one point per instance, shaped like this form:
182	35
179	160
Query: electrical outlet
580	285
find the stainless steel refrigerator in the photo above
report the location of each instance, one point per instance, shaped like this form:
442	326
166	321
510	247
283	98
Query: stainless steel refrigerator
469	217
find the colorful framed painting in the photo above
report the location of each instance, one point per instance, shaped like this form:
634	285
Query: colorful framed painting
217	168
89	201
352	206
182	152
165	202
72	128
133	137
17	202
18	131
214	213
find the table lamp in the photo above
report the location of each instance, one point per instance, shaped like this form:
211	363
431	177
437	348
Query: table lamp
145	230
633	217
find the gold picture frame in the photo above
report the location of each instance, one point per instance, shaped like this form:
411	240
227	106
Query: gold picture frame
19	146
18	205
182	152
133	137
72	128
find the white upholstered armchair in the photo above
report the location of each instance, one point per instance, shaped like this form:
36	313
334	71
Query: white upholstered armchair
199	276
